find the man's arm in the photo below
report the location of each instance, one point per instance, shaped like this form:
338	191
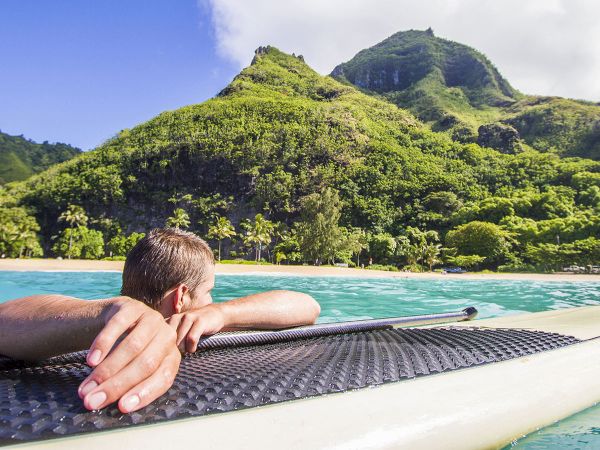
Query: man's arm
270	310
267	311
41	326
136	371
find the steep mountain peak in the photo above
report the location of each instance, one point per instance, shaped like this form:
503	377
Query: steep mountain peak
275	53
413	57
272	70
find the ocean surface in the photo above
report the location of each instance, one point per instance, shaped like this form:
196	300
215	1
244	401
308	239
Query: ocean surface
344	298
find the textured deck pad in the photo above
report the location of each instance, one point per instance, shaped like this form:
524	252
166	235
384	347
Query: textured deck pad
42	402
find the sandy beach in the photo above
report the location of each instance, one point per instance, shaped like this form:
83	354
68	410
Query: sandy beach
89	265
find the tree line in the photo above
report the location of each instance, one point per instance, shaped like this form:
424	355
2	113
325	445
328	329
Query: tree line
316	238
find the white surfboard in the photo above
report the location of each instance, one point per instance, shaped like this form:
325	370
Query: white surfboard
484	406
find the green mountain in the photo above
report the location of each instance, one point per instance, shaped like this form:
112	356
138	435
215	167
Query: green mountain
455	88
280	133
20	158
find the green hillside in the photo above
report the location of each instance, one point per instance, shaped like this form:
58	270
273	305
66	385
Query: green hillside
565	127
457	89
20	158
306	150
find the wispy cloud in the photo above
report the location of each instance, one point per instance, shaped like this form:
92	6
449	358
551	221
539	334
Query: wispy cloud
549	47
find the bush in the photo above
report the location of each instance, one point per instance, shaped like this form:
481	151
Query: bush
120	245
245	261
382	247
80	242
415	268
516	268
468	261
485	239
387	267
114	258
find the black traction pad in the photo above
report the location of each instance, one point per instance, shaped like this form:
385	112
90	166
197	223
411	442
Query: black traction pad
40	402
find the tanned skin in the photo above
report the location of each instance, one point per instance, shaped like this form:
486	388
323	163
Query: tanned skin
135	350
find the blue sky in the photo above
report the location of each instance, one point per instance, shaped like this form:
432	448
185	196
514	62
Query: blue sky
79	71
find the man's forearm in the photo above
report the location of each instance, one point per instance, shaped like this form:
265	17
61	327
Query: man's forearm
270	310
42	326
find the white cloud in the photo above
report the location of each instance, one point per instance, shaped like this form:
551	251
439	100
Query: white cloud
549	47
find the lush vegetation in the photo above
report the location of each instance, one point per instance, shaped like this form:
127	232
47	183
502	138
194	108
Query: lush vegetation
558	125
288	166
20	158
457	89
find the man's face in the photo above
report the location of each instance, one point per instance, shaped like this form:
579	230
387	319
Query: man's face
202	294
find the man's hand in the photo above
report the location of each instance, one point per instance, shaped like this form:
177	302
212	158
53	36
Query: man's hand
265	311
194	324
140	368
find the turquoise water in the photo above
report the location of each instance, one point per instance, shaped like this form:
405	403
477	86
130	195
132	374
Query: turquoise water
581	432
344	298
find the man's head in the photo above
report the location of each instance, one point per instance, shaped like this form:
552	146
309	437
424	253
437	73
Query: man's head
170	270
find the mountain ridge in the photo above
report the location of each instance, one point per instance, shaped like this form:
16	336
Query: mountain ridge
21	158
457	89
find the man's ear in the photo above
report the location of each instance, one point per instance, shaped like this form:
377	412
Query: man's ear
178	298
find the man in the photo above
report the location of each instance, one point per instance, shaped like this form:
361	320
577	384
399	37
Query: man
133	350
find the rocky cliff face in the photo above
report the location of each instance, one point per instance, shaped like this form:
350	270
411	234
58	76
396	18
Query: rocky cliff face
503	138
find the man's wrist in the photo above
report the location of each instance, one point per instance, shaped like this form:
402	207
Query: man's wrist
109	306
226	313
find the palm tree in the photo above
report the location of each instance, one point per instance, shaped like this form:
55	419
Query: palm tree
287	248
221	229
74	216
8	234
413	254
22	237
179	219
356	242
431	253
258	234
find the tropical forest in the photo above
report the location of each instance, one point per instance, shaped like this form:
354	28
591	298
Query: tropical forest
414	155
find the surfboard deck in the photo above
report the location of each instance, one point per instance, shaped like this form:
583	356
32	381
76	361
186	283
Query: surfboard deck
483	406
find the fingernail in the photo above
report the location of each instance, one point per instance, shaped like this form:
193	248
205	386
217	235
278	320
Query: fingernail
131	402
96	399
94	357
88	387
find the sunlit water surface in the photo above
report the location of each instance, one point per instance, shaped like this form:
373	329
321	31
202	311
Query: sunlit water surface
343	298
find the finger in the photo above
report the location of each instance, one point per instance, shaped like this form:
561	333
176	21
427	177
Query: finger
106	339
142	367
128	349
193	336
184	327
152	387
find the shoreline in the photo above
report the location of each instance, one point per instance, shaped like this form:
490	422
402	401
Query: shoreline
77	265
